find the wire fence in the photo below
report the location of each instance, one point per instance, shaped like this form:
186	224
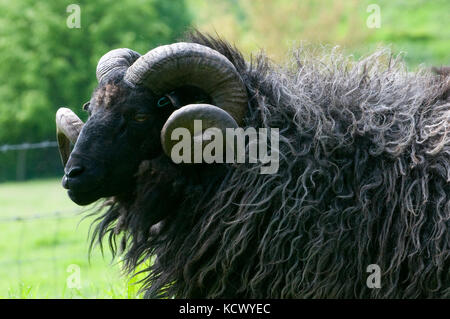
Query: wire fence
29	160
54	215
38	252
28	146
36	249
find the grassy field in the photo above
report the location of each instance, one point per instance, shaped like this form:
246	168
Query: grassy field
35	253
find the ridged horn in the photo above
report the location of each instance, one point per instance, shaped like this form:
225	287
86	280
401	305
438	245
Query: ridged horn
115	60
68	127
171	66
211	116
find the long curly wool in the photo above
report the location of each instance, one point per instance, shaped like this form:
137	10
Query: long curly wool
364	178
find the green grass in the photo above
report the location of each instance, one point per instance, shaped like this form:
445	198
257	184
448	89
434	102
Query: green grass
35	253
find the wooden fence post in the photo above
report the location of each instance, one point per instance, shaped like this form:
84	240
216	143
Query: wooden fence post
21	168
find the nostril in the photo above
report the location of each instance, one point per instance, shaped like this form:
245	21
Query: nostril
75	171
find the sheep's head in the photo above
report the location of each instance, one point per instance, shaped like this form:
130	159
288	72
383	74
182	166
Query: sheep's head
139	101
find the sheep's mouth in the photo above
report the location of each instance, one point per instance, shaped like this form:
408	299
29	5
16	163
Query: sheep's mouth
82	198
81	195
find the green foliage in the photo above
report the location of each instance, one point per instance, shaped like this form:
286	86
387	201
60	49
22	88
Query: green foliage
417	27
44	64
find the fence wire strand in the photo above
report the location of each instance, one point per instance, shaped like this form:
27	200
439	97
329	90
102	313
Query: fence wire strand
54	215
27	146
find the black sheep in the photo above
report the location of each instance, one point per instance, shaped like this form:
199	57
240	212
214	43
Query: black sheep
363	178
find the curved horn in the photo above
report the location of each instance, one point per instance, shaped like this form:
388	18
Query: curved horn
211	116
115	60
68	127
171	66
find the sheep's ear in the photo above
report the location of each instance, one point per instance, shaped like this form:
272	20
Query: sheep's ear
174	99
183	96
86	106
169	100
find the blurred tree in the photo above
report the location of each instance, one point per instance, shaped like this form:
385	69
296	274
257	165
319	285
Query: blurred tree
278	25
417	27
45	64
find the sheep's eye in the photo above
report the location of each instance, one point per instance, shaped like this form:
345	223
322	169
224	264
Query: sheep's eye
140	117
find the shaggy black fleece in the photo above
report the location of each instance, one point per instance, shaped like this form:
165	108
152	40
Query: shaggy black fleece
364	178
